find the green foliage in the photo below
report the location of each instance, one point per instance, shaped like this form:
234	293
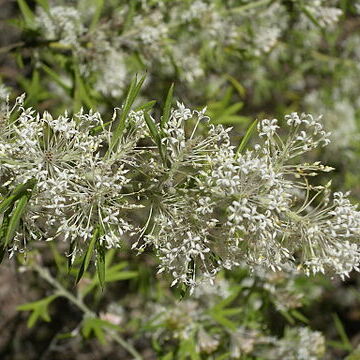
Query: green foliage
39	310
246	138
133	92
225	112
88	254
96	327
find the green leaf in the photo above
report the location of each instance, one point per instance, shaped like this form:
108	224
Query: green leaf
168	356
251	5
238	87
3	230
232	120
129	16
81	92
27	14
342	333
298	315
60	260
44	4
88	254
155	135
99	6
39	310
310	16
288	317
19	191
246	137
133	92
93	325
227	115
222	320
227	301
16	215
187	348
112	274
147	106
167	107
100	264
153	129
56	78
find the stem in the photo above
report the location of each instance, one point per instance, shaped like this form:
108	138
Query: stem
61	291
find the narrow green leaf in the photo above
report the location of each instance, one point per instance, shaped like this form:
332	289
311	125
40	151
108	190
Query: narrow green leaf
251	5
231	312
97	14
15	218
4	225
342	333
156	136
311	17
147	106
225	101
167	107
288	317
338	345
222	320
16	194
88	254
112	276
59	259
231	119
152	128
246	137
227	301
56	78
239	88
168	356
133	92
44	4
298	315
81	92
187	349
100	264
129	16
26	12
3	230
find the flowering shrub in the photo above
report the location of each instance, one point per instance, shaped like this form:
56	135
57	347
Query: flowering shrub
210	207
207	242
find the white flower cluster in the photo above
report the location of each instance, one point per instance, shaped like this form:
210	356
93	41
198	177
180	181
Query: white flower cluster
210	208
299	344
197	318
77	185
221	209
324	14
62	23
185	37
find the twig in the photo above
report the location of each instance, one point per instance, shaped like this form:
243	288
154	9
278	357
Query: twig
61	291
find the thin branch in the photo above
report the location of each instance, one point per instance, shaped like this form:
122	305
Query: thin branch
61	291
